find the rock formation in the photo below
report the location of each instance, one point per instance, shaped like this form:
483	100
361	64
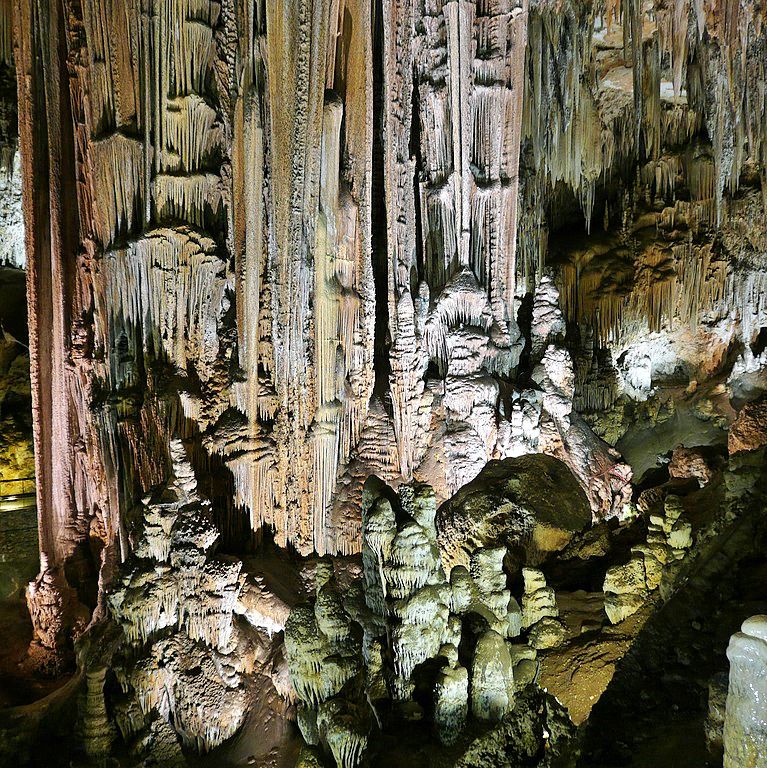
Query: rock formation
386	358
403	618
745	734
652	565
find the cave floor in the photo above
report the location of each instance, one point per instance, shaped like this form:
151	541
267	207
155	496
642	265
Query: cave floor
17	685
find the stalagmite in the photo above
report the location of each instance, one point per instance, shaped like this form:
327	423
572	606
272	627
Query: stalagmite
540	613
538	601
652	565
492	681
451	701
342	730
98	732
745	738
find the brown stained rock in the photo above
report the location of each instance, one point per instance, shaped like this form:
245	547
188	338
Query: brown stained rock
579	672
689	463
749	431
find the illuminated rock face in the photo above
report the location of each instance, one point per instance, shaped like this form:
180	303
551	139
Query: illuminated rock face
530	503
276	249
745	723
182	653
296	228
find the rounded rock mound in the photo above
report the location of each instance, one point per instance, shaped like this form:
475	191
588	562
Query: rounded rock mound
532	503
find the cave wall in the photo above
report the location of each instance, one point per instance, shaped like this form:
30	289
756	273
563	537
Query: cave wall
322	240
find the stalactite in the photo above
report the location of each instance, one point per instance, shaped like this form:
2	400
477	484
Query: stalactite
170	284
678	284
204	183
191	134
118	186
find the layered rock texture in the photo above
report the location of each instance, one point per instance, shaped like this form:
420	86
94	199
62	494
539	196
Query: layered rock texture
382	356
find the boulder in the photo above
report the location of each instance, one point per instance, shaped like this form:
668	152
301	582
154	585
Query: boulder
749	430
533	501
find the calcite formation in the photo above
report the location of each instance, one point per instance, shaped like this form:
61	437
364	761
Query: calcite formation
652	565
98	730
745	723
362	331
374	642
11	219
282	244
540	612
451	699
492	679
181	653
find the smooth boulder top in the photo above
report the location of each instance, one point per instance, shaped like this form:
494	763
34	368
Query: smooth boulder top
508	497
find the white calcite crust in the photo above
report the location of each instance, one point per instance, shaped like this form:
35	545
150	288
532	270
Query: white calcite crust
745	722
